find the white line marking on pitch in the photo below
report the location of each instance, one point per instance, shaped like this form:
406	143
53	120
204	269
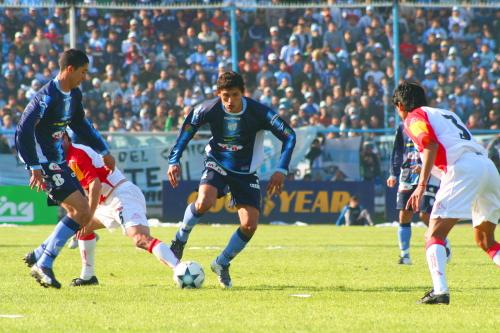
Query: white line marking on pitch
11	316
301	295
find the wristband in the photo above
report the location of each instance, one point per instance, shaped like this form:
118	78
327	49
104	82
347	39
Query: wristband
421	185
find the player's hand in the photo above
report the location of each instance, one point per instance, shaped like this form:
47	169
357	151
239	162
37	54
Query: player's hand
36	180
391	181
109	161
415	199
174	173
416	169
275	185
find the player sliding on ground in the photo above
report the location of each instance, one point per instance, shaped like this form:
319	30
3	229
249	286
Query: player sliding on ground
470	183
234	153
114	202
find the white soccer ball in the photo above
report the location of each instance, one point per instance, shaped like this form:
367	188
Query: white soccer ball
189	274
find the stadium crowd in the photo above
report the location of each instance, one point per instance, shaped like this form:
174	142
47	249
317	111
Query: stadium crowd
330	67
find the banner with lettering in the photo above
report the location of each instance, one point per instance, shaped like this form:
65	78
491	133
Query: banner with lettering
310	202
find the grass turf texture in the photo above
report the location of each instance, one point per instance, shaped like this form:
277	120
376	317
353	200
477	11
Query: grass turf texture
350	273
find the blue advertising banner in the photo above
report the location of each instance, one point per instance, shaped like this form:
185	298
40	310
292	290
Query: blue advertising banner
305	201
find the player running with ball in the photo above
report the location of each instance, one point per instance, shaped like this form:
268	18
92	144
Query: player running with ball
234	153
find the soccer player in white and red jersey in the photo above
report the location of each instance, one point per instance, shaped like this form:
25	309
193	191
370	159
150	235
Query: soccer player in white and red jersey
114	202
470	183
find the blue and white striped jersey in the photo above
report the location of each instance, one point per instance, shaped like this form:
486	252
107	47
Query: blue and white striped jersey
237	138
43	122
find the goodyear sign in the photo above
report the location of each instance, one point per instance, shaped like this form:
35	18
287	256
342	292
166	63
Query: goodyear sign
21	205
310	202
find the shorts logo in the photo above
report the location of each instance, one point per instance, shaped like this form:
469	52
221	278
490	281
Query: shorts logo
57	135
216	167
54	167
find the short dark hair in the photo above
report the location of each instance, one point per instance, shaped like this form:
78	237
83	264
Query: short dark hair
409	94
229	80
73	57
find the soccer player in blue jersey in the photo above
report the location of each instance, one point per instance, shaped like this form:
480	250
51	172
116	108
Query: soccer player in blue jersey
39	134
233	155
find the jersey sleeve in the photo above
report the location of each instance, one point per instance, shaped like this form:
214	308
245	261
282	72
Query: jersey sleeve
82	166
83	129
195	119
285	134
420	130
25	133
397	153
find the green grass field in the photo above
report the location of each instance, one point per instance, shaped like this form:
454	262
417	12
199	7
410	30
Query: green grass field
350	273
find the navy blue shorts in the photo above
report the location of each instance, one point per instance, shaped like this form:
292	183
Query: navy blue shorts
244	188
60	182
427	203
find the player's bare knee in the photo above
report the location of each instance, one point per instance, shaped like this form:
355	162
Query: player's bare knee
203	204
249	228
82	215
142	241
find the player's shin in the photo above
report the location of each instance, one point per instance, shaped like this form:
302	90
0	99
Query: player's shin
436	259
236	244
494	253
163	253
87	245
191	218
404	237
66	228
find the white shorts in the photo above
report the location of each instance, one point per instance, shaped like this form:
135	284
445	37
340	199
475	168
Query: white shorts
125	207
469	189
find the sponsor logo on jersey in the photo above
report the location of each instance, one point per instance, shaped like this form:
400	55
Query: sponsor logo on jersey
256	186
229	147
54	167
214	166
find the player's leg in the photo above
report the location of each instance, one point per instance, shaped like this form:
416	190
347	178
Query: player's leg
249	217
404	228
436	260
404	236
140	234
486	212
129	201
64	188
87	244
484	235
245	190
211	187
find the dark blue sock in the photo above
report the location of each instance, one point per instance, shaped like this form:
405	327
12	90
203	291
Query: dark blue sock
62	232
236	244
404	237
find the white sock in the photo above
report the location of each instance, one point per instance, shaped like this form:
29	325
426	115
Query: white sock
165	255
436	258
496	258
87	252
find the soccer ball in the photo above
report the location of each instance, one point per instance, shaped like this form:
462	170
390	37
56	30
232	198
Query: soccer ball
189	274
